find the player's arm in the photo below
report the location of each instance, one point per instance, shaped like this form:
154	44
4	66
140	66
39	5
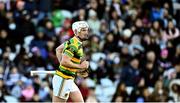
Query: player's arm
67	56
59	51
66	61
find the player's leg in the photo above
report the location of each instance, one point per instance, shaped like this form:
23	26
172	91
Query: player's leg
58	89
56	99
75	94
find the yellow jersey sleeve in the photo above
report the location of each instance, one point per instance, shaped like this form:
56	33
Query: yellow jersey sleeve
70	50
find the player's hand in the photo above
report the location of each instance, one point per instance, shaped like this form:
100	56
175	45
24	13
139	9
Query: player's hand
85	64
83	74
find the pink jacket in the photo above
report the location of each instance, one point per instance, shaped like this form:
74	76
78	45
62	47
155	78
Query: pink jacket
169	35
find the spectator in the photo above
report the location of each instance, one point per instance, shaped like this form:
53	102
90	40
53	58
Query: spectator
135	47
93	22
132	71
120	24
66	32
13	77
159	94
94	44
2	91
170	33
149	45
138	27
166	18
136	92
2	10
113	19
39	39
81	15
101	69
1	72
31	6
171	74
121	92
109	43
43	92
93	4
6	64
37	58
57	18
104	28
49	30
124	55
164	61
44	9
101	8
27	93
17	88
156	12
177	68
5	41
23	62
150	71
52	61
174	87
19	9
146	95
156	32
177	53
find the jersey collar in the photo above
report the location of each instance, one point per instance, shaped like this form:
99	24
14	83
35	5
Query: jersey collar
77	39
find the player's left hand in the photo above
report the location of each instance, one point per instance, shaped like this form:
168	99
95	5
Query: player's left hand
83	73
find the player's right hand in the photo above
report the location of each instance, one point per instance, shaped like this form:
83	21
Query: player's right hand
85	64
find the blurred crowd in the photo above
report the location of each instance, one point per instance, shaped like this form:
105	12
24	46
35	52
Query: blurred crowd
134	48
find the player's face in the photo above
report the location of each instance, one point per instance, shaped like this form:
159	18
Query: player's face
84	33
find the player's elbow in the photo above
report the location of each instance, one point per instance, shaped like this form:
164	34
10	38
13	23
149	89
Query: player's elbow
57	52
57	49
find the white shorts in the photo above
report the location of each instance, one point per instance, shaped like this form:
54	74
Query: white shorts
62	87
